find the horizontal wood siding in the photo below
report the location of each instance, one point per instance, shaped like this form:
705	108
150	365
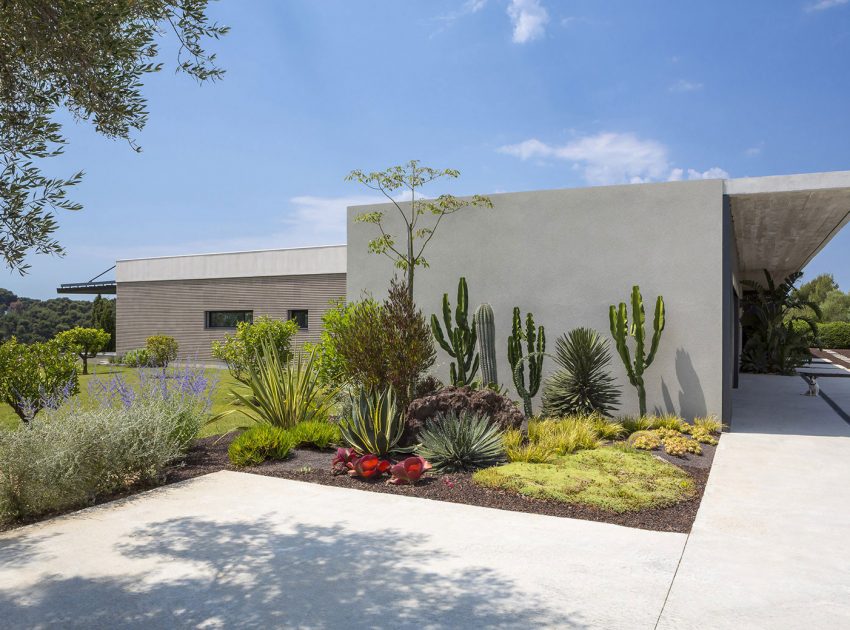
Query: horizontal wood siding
177	307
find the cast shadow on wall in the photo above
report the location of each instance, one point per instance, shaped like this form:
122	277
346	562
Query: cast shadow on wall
691	397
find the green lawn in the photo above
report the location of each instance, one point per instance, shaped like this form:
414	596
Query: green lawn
221	397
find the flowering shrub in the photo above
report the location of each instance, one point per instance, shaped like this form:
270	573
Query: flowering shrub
68	457
409	470
35	376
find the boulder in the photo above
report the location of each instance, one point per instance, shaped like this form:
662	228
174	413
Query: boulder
486	402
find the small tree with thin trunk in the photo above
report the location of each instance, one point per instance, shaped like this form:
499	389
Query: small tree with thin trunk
84	342
406	251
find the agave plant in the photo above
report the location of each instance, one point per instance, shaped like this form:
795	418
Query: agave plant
409	470
454	443
375	425
368	466
582	385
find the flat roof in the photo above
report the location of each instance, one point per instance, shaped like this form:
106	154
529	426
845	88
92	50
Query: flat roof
781	222
294	261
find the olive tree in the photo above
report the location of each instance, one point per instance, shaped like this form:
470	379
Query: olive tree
406	251
88	58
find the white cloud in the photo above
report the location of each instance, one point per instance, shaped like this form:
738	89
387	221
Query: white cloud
754	151
822	5
612	158
683	85
469	7
529	19
604	158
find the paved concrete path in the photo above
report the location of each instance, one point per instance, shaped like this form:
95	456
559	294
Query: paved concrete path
770	547
238	550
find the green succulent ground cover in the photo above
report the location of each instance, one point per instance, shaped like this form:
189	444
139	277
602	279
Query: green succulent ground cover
612	478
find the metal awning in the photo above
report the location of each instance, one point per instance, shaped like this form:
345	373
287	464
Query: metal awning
781	223
91	287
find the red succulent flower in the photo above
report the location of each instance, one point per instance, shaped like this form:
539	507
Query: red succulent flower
409	470
368	466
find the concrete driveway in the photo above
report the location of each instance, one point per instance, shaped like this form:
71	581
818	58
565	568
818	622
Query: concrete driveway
238	550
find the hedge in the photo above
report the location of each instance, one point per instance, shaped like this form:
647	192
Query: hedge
834	335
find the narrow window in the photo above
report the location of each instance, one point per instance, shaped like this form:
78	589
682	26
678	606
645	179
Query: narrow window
227	319
300	317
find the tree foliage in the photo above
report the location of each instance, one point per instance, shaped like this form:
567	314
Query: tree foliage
407	251
241	350
32	320
88	58
103	317
768	313
35	376
84	342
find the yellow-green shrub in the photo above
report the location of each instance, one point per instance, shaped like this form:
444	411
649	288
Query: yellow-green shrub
679	445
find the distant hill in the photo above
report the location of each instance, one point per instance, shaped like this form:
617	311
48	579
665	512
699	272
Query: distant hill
33	320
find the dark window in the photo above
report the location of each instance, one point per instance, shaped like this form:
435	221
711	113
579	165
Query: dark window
300	317
227	319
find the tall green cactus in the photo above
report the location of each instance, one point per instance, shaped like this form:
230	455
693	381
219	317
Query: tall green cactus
621	331
536	345
485	328
461	339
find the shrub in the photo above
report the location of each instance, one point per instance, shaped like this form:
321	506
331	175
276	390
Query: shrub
259	443
35	376
518	450
67	457
375	425
709	424
679	445
834	335
499	409
461	442
240	350
644	440
84	342
161	350
564	435
582	385
282	394
376	346
317	433
135	358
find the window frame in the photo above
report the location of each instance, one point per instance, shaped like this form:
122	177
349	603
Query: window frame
290	315
208	313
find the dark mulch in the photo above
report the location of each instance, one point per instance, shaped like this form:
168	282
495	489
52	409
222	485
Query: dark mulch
210	455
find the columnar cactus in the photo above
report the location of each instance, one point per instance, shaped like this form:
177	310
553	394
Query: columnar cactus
461	344
621	331
536	345
485	328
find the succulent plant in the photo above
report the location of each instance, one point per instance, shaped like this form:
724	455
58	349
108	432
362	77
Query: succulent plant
343	457
460	442
535	340
368	466
485	329
460	344
375	425
409	470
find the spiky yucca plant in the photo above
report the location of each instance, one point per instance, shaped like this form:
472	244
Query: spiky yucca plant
375	425
284	393
582	385
460	442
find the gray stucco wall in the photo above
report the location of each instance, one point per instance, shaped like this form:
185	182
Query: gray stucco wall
566	255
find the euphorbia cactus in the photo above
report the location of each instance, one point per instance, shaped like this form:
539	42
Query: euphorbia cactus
535	340
343	457
368	466
458	341
409	470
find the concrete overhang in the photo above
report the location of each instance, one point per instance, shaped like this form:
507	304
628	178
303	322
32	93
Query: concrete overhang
781	223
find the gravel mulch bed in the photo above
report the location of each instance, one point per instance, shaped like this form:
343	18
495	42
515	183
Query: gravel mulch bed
210	455
843	361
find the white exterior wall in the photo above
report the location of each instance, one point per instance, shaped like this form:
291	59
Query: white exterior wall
566	255
251	264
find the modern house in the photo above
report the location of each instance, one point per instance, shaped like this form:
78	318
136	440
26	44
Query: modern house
566	255
198	299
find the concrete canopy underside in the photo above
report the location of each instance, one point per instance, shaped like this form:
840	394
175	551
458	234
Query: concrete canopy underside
781	223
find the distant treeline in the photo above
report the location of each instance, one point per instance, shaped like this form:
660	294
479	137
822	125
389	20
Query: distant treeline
31	320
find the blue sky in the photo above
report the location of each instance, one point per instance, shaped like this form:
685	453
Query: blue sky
516	94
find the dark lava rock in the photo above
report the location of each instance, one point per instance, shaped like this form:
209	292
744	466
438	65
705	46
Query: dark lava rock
486	402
